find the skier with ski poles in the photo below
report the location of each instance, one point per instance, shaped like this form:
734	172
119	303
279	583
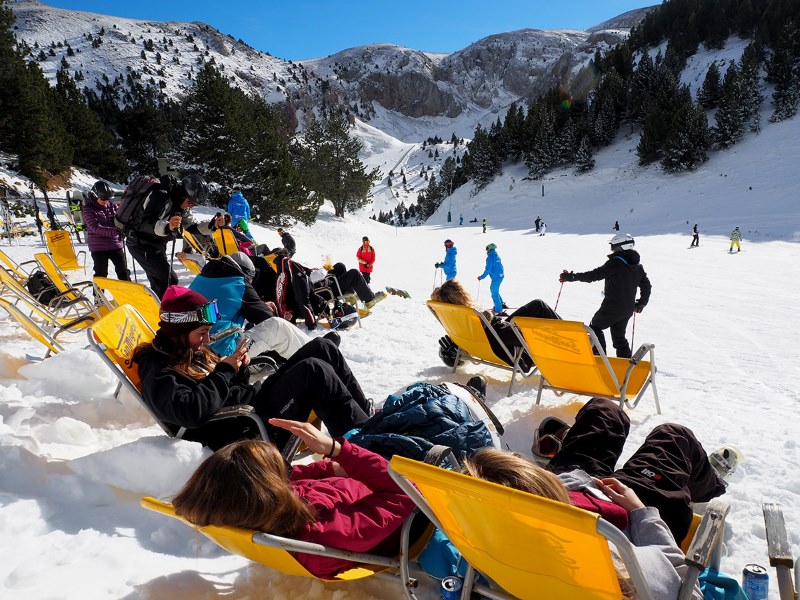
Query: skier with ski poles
623	275
494	269
449	262
104	239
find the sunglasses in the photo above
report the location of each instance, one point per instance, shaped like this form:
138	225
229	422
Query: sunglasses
208	314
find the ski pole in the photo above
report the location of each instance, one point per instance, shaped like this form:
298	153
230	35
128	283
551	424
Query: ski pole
172	260
435	269
559	296
633	332
478	296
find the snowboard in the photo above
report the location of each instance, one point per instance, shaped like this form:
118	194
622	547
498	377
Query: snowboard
396	292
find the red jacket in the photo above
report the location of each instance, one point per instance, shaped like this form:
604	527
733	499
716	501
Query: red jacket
355	513
365	255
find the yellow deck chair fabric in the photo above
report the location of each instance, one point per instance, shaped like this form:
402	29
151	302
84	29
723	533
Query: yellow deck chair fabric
70	291
59	313
465	326
564	353
191	265
59	245
225	241
192	241
530	546
138	295
241	542
32	328
16	269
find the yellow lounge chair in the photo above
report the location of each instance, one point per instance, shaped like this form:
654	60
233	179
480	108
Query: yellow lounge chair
196	246
138	295
468	328
75	292
116	336
532	547
30	326
16	268
191	265
275	552
59	245
570	359
225	241
59	311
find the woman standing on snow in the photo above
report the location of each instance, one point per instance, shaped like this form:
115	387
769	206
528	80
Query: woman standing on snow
366	258
104	239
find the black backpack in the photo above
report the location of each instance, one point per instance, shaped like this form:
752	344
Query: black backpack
41	287
129	212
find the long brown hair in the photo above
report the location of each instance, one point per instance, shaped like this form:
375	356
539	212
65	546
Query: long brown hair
244	484
172	339
513	471
452	292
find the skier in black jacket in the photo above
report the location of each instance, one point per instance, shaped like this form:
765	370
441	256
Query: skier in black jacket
623	274
288	241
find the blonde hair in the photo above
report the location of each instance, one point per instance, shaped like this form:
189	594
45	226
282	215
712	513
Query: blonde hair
244	484
452	292
513	471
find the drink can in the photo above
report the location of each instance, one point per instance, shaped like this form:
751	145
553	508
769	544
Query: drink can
755	582
451	588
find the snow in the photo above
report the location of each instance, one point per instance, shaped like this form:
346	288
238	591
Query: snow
74	460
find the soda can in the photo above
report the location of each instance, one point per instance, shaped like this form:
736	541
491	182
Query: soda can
451	588
755	582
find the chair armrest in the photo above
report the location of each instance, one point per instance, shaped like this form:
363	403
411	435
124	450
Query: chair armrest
704	544
239	410
780	552
225	333
643	349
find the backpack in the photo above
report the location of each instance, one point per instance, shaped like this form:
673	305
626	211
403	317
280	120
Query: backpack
41	287
129	211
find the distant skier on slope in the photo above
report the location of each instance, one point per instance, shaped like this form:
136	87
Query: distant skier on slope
542	228
484	226
736	239
494	269
616	226
537	223
623	274
695	237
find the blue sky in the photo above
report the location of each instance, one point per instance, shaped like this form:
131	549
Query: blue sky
316	28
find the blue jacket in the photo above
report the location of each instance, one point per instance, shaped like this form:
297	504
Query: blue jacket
238	207
423	416
494	268
449	264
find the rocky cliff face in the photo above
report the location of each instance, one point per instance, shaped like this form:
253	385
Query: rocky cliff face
483	77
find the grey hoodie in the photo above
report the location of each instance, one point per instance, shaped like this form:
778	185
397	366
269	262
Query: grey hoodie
660	558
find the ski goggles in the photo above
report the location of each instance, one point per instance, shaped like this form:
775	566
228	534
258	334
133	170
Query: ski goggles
208	314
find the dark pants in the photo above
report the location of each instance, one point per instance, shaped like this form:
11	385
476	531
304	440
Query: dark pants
156	266
617	326
352	281
668	471
317	378
696	239
117	258
538	309
367	276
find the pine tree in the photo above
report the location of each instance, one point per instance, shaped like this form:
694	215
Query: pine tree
709	93
783	69
334	168
730	115
484	161
686	146
584	161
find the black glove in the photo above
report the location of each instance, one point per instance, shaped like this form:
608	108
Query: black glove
638	307
566	276
437	265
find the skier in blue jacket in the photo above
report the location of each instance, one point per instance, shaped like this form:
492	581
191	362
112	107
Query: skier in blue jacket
238	206
449	263
494	269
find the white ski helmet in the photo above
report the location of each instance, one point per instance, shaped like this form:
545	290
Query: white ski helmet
622	241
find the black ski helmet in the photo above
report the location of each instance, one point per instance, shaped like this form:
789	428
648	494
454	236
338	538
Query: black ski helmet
102	190
195	188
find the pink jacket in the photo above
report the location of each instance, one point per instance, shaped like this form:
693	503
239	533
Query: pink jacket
355	513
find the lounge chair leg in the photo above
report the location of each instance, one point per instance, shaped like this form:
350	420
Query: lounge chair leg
455	364
469	581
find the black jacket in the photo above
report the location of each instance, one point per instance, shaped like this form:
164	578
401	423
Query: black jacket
288	243
623	275
177	400
152	227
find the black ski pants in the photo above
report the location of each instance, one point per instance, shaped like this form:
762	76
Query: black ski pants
616	325
156	266
695	240
117	258
538	309
367	276
317	378
352	281
668	471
